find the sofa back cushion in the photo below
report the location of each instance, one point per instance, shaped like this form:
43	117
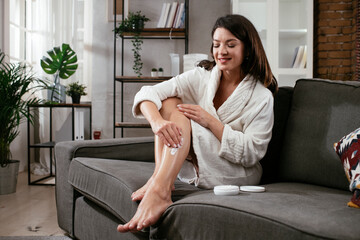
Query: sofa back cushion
322	112
270	162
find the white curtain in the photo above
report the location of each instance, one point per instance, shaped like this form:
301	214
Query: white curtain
48	24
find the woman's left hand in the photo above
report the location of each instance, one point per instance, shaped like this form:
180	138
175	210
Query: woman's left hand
202	117
196	113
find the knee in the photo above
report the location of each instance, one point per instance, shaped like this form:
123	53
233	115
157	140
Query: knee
169	107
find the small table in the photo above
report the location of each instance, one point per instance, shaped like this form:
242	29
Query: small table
51	143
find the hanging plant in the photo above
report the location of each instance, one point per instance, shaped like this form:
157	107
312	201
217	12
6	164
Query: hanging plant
135	24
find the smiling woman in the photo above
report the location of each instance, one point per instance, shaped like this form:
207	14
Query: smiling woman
218	118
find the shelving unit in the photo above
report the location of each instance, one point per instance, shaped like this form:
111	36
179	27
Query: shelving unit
151	34
283	25
50	144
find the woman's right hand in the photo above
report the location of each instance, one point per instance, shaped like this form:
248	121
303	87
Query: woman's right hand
168	132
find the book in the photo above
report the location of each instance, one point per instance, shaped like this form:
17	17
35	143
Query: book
164	15
299	56
294	58
179	15
172	13
161	19
304	58
79	125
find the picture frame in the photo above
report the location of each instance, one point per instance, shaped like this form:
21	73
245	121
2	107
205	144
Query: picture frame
111	11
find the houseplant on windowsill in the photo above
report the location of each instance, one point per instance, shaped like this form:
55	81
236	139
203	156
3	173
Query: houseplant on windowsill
17	88
62	64
134	24
75	91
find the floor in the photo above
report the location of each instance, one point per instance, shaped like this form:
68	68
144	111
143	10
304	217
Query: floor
30	211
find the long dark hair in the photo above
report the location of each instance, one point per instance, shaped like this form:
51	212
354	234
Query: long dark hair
256	63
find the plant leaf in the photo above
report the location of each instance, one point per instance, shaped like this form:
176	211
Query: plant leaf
63	61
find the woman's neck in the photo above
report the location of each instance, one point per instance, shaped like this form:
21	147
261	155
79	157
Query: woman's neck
232	77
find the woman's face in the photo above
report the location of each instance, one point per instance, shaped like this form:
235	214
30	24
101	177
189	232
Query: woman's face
228	51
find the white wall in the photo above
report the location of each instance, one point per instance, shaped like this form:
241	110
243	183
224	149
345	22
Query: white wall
1	24
155	53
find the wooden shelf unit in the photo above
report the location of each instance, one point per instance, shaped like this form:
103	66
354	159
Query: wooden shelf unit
146	33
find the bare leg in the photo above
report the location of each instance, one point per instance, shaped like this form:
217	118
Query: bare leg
168	106
159	146
157	197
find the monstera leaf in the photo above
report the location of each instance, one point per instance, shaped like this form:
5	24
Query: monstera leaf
63	61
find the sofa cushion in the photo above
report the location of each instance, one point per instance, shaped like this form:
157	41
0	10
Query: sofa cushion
348	149
284	211
321	113
110	183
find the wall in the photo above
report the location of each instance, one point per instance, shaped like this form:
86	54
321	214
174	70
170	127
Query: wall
1	24
155	53
335	39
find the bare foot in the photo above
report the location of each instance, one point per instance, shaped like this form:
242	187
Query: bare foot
138	195
154	203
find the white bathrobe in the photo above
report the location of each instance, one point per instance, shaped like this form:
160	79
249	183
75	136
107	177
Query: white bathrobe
247	116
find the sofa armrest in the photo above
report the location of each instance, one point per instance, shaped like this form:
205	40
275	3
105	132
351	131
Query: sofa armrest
121	148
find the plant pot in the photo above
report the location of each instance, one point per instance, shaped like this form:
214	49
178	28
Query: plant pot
8	177
138	26
154	73
76	99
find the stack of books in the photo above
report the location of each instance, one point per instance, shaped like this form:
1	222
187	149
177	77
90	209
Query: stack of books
172	15
300	56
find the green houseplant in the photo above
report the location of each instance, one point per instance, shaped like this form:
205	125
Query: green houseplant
75	91
62	64
134	23
17	88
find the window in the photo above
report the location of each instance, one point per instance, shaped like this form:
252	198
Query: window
36	26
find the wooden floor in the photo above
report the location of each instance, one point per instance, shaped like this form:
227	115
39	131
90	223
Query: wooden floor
31	211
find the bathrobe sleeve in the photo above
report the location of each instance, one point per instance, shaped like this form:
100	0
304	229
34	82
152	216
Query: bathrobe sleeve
186	86
248	145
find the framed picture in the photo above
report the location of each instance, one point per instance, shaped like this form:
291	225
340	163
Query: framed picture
111	11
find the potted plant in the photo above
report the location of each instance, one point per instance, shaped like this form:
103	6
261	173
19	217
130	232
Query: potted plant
17	88
154	72
161	72
134	23
75	91
62	64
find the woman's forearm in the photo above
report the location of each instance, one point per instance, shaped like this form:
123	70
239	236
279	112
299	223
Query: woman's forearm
150	111
217	128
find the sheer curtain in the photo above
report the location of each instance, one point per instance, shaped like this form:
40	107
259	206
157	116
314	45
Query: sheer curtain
37	26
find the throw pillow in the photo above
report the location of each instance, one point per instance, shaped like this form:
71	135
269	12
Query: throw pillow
348	149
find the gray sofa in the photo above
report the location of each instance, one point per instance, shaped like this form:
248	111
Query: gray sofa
306	188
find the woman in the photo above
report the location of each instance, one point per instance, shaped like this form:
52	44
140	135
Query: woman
220	114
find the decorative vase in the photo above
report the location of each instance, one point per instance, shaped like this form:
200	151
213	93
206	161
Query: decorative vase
57	92
8	177
76	98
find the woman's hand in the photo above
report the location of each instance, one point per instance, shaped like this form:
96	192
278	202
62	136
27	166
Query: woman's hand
202	117
168	132
196	113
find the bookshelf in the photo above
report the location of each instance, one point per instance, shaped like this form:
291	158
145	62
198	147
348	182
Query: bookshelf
283	26
120	81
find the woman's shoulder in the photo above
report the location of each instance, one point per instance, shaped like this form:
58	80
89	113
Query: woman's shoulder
263	91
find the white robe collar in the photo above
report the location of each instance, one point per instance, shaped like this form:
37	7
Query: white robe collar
235	102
